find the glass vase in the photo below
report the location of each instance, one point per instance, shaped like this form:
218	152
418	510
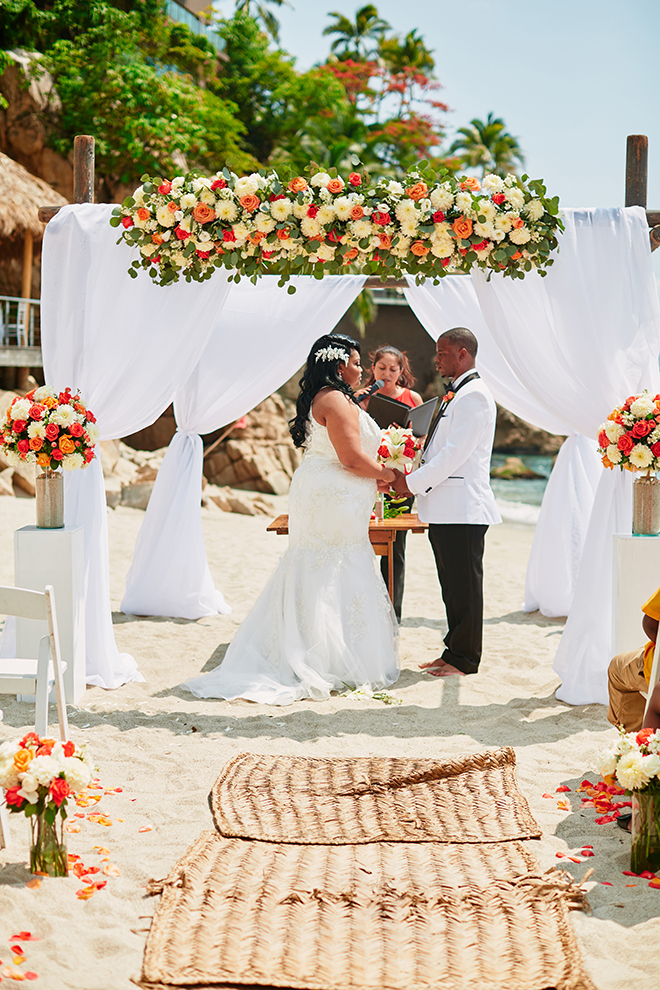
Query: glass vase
48	850
645	844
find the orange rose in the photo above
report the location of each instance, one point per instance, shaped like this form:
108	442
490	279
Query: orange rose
36	443
462	227
156	239
472	182
385	241
256	237
172	206
43	460
143	213
518	223
419	249
298	184
606	461
250	202
283	233
203	213
357	213
418	191
50	401
335	185
518	254
22	760
350	255
218	247
66	444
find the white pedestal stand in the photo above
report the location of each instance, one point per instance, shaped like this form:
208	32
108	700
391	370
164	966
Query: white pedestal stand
54	556
636	577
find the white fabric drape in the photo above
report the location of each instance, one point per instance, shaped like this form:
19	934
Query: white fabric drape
264	338
555	556
128	345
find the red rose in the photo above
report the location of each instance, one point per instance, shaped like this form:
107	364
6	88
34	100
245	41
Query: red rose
355	179
312	211
52	432
274	197
89	454
228	235
383	451
380	218
603	439
267	254
19	425
59	790
91	418
218	184
65	396
438	216
12	797
643	736
45	750
165	187
57	454
182	234
642	428
626	443
127	222
69	748
202	254
29	740
499	198
76	430
334	237
655	449
23	446
36	411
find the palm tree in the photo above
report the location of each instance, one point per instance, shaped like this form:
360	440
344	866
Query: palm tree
411	53
259	10
360	38
489	146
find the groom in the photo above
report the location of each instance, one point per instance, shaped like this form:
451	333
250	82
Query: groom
454	496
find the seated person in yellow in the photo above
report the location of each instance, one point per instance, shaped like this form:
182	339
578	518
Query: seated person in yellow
629	673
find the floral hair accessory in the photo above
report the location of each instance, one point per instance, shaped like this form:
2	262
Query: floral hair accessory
332	354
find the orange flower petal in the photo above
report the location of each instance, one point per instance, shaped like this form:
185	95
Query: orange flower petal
101	850
112	871
72	827
551	796
18	960
31	975
33	883
145	828
562	787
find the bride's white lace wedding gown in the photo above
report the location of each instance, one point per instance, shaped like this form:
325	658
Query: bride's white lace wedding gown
324	620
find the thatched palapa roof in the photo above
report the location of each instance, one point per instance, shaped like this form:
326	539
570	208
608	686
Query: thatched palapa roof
21	195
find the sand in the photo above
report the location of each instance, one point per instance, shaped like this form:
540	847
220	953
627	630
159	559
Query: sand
164	748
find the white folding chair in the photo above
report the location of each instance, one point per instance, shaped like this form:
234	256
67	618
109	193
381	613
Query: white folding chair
35	677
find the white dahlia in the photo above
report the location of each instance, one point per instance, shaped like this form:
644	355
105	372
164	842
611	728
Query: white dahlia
165	217
21	409
64	415
613	430
246	185
326	214
520	236
93	433
44	392
280	209
71	462
36	430
442	198
613	453
515	197
491	184
187	201
405	210
343	206
503	222
361	228
631	771
310	227
264	223
464	202
642	406
207	196
226	209
640	456
534	209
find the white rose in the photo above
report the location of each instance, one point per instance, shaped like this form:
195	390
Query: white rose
534	209
641	407
12	458
607	761
280	209
165	217
21	409
29	788
613	453
631	772
640	456
492	184
187	201
64	415
178	182
395	188
442	198
226	209
148	249
651	765
320	179
613	430
520	236
510	180
464	202
246	185
138	196
515	197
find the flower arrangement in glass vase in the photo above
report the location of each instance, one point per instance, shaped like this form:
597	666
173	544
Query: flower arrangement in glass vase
38	775
52	430
398	450
634	760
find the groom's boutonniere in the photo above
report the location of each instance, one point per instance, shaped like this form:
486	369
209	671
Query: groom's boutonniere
448	396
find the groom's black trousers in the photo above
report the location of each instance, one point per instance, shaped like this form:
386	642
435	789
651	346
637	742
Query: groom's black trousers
459	551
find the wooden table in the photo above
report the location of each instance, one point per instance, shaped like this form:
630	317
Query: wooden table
382	533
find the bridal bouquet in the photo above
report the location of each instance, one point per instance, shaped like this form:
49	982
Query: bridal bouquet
38	775
398	449
630	436
50	429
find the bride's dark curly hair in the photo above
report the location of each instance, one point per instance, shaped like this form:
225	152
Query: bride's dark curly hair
320	372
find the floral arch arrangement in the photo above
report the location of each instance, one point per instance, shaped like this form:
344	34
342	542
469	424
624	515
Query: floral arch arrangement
265	223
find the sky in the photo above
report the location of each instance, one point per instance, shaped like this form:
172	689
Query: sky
570	78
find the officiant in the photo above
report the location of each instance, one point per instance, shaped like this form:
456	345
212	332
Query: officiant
454	496
392	367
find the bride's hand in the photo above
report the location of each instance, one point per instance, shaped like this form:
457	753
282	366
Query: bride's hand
387	478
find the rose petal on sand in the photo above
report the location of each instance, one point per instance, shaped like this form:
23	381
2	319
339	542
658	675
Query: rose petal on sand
606	883
73	827
655	883
563	805
18	960
33	883
24	937
587	852
573	859
551	796
560	855
101	850
145	828
112	871
86	893
31	975
562	788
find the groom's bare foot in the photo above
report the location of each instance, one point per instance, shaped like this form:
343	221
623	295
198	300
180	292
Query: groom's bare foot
439	668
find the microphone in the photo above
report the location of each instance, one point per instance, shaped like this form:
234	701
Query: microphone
377	385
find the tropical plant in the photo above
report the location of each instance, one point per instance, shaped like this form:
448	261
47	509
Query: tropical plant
489	146
259	10
356	39
407	53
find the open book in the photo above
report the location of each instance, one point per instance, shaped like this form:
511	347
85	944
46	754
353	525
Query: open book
388	411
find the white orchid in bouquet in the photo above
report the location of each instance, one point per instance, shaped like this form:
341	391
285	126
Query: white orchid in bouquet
634	759
398	449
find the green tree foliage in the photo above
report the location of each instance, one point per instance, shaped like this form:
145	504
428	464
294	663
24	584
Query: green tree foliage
260	10
357	39
489	146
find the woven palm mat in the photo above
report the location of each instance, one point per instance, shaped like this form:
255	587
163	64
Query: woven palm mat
404	916
292	799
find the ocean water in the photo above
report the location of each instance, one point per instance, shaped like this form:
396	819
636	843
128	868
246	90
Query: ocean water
519	501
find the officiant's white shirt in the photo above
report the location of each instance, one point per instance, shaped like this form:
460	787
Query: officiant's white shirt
453	482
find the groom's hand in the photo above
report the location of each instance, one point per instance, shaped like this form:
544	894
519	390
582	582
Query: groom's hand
400	485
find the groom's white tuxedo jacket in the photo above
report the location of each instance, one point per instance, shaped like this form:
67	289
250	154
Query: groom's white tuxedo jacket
452	483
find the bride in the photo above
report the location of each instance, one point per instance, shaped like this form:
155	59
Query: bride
324	621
